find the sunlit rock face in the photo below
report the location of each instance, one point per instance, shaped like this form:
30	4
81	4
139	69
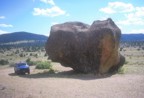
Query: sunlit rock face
86	48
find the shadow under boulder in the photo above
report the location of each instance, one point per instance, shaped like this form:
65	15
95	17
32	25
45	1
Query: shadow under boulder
86	48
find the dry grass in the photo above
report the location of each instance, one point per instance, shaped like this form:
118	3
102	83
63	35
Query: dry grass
134	60
13	57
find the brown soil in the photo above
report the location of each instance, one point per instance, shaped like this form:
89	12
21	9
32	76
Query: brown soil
67	84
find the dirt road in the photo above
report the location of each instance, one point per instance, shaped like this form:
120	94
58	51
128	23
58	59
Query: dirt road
67	84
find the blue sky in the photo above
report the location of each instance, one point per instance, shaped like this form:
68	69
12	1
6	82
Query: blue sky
37	16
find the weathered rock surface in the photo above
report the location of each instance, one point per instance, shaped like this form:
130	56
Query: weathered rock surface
86	48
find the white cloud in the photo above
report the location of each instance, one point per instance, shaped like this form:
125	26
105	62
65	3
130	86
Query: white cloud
3	32
137	31
6	25
51	2
121	7
133	15
51	12
134	18
139	11
2	17
131	21
117	7
107	10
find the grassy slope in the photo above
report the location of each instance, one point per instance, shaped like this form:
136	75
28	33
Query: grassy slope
134	59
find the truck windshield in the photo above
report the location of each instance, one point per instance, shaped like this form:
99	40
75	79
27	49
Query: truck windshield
21	64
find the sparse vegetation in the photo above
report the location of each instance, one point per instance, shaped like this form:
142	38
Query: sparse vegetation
30	62
44	65
121	70
126	62
21	55
4	62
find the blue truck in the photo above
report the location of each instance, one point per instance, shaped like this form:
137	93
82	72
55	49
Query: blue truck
21	68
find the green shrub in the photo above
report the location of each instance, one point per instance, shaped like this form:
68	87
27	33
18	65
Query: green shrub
121	70
126	62
44	65
29	62
22	55
4	62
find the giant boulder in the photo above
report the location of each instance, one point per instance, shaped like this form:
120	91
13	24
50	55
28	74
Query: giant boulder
86	48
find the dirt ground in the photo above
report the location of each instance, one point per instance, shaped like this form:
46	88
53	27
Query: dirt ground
67	84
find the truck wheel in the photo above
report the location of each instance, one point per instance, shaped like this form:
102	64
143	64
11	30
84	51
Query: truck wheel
28	71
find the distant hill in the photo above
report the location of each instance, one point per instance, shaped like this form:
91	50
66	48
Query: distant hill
21	36
22	39
132	37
